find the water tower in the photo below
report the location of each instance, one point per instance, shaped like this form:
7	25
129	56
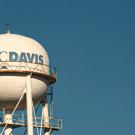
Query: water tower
25	76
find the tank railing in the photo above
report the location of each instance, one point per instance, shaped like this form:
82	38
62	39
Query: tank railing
21	120
31	67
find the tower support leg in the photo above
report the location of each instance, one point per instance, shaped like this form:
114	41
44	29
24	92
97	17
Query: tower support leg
8	119
46	116
29	105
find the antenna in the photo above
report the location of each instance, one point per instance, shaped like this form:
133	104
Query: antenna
8	28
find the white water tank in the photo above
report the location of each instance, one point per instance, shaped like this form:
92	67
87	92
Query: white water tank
20	56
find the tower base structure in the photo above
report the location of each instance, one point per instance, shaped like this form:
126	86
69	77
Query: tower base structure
9	120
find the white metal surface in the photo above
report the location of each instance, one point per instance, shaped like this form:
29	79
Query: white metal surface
29	105
21	44
12	86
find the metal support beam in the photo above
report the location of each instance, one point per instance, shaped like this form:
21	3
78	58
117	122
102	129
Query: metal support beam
29	105
51	102
45	115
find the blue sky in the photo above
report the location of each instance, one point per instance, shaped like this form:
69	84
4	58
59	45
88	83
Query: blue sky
92	43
